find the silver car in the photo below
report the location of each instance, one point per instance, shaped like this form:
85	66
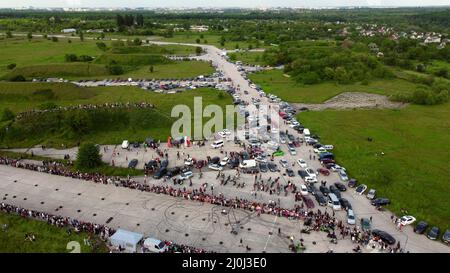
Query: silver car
371	194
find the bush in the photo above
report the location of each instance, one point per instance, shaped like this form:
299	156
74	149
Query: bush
48	106
7	115
11	66
70	58
43	94
17	78
115	69
102	46
88	157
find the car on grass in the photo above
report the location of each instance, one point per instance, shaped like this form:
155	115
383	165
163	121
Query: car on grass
215	167
421	227
384	236
133	163
407	220
351	220
361	189
433	234
378	202
302	163
303	190
340	186
371	194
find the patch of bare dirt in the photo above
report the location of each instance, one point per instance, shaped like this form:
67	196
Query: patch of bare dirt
352	100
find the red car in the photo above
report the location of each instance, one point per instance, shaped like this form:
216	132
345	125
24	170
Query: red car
308	202
323	171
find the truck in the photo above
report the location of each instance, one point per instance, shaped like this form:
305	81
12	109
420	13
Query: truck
250	163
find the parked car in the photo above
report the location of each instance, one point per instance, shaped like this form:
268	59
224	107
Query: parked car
215	167
263	167
125	144
345	204
433	234
343	175
188	162
351	220
284	163
302	173
335	190
185	175
365	224
133	163
160	173
352	183
323	171
407	220
311	172
340	186
302	163
308	202
384	236
361	189
446	236
290	172
320	199
421	227
371	194
303	190
324	190
224	161
380	202
273	167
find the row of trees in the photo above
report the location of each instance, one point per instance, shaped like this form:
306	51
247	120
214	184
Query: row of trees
129	20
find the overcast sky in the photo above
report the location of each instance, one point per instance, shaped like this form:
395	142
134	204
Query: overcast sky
218	3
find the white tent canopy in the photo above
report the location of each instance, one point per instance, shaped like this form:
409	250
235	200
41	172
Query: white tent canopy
126	239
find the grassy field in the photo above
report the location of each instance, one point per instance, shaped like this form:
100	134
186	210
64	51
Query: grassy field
275	82
49	239
416	144
211	39
42	58
248	57
139	124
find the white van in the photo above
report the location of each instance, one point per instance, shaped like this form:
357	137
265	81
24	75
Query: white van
306	132
333	201
155	245
217	144
125	144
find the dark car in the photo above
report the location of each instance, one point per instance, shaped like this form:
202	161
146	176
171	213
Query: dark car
327	161
234	162
433	234
310	188
263	167
133	163
164	163
421	227
326	155
302	173
340	186
136	145
446	236
384	236
317	145
273	167
320	199
151	165
380	202
173	171
352	183
345	204
215	160
335	190
308	202
290	172
160	173
324	190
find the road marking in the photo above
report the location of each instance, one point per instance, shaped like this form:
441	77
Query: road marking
271	232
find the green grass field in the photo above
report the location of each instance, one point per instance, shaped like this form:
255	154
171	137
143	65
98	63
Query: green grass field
248	57
141	124
415	140
275	82
212	39
42	58
49	239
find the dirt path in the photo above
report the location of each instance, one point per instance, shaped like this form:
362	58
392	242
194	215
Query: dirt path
353	100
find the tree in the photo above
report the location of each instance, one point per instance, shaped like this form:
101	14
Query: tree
9	34
151	69
81	36
54	39
11	66
137	42
140	20
222	41
197	41
7	115
198	50
79	122
120	20
115	69
88	157
29	36
70	58
17	78
102	46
